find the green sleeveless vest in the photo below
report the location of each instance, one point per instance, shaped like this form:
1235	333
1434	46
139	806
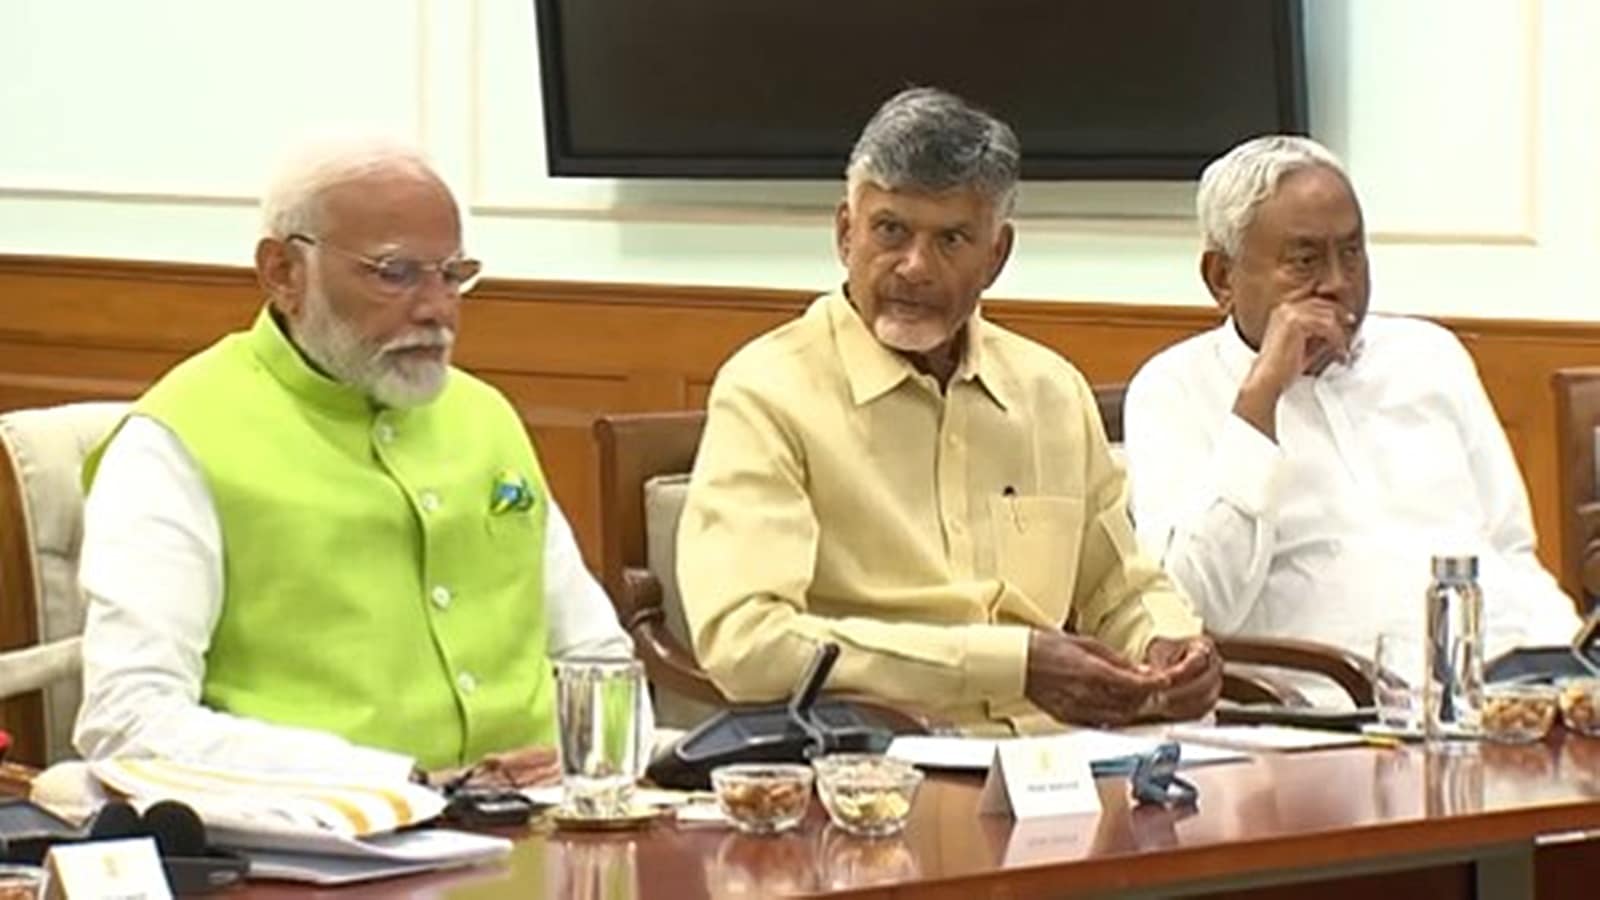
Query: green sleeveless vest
383	569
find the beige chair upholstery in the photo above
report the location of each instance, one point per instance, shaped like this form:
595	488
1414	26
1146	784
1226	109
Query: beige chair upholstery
41	608
664	496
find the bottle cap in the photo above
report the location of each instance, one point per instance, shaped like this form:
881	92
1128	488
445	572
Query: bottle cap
1456	567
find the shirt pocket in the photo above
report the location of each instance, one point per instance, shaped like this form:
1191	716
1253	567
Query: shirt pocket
1037	541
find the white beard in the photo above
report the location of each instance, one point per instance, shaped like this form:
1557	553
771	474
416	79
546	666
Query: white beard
921	335
350	359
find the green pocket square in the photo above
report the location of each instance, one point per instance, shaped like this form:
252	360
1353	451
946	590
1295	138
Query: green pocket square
511	493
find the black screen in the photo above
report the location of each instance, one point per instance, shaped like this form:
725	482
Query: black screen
780	88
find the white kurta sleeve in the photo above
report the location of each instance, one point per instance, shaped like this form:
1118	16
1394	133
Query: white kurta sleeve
582	621
1203	497
151	569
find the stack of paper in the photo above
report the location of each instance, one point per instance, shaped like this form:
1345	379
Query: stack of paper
341	861
301	828
257	801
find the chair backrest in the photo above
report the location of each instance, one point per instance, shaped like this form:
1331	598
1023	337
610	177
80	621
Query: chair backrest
1577	417
41	607
644	463
633	449
1109	397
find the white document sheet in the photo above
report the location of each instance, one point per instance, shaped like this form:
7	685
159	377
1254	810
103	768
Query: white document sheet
1266	738
387	856
1104	749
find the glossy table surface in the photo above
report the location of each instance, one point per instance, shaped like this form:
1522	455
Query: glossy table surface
1261	818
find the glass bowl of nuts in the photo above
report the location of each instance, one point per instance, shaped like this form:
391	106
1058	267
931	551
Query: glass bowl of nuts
1580	705
763	798
1518	713
865	794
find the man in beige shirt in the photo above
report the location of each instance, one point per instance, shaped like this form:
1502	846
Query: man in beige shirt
935	494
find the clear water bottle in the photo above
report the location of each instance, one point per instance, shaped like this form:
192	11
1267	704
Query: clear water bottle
1453	650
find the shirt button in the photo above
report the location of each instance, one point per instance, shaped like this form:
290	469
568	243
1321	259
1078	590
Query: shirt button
466	682
385	432
956	527
429	501
440	596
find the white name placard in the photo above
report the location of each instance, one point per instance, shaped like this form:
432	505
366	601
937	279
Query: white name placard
124	869
1032	778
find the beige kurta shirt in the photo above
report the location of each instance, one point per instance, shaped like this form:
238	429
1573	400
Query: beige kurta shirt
839	495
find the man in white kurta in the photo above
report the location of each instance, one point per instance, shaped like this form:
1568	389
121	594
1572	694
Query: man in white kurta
1296	467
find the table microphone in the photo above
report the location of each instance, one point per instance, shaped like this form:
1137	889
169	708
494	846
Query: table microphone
794	731
177	829
116	819
805	696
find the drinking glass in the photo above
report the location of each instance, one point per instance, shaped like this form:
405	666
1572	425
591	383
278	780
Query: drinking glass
1396	687
598	706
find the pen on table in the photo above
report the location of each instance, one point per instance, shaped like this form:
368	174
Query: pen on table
1384	741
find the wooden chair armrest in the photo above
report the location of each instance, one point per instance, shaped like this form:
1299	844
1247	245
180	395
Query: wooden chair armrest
16	779
1588	523
1244	683
666	661
640	596
669	664
1346	669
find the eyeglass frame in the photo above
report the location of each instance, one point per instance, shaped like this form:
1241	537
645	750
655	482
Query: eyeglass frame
376	265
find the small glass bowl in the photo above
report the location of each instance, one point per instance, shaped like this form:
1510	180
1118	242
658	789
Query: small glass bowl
19	882
763	798
865	794
1518	713
1580	705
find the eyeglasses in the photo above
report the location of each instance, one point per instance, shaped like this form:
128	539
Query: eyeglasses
398	275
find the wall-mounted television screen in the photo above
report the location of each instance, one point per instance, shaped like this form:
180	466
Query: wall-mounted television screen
1096	89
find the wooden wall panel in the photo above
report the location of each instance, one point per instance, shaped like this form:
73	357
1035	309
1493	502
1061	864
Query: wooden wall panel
565	351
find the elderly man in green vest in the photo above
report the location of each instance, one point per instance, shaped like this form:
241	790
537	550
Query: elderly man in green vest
317	547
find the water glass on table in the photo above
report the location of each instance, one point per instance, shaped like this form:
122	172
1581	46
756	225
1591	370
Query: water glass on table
598	706
1396	690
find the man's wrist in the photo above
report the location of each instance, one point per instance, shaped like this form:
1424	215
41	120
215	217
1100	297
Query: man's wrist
1257	404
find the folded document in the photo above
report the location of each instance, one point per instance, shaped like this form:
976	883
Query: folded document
305	828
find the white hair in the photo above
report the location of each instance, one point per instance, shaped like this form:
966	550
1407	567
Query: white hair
292	203
1234	185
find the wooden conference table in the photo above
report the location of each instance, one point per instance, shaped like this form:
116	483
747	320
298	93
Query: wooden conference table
1336	823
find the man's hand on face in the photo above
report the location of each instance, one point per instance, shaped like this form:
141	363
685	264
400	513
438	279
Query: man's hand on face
1192	668
1078	679
1302	337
